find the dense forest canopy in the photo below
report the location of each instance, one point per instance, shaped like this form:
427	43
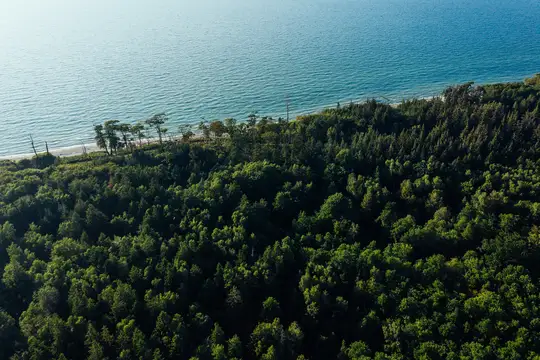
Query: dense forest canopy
364	231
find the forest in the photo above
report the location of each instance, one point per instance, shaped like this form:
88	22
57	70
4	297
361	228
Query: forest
365	231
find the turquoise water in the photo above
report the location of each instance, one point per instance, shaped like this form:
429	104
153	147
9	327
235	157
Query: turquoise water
65	65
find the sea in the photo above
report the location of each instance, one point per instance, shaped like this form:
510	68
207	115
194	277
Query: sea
66	65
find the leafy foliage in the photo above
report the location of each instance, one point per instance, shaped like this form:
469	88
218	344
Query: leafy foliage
365	231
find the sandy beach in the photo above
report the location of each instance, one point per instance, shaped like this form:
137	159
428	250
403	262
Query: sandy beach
59	152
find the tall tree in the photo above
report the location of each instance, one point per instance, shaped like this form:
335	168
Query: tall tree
137	131
100	137
125	130
111	129
33	146
156	122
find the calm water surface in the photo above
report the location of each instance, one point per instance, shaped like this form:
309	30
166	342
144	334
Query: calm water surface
65	65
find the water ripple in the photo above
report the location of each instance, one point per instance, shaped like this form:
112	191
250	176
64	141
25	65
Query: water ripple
60	75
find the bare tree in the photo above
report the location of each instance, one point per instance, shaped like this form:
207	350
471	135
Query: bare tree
85	152
33	146
287	105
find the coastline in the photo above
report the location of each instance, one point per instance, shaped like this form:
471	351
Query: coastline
91	147
78	150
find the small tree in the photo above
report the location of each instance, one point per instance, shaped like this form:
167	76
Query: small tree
230	126
185	131
156	122
217	128
535	80
164	132
252	119
203	126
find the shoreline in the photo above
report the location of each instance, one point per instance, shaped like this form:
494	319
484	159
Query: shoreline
78	150
66	151
91	147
